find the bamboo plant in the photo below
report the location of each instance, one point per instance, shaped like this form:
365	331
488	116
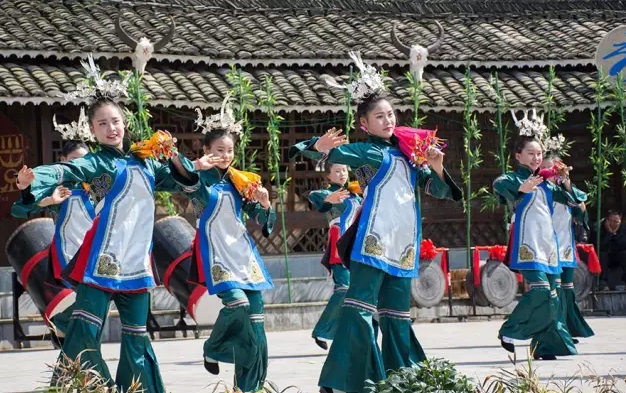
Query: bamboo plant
268	102
472	160
553	116
502	156
415	88
241	90
619	95
138	126
603	153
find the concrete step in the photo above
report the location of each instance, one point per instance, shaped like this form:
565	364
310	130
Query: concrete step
303	290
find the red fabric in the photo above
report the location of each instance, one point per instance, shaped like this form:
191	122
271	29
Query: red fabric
55	302
78	272
476	267
333	236
30	265
172	267
56	264
196	249
445	265
196	294
593	263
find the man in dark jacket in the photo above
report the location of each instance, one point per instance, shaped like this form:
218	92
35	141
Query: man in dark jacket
612	245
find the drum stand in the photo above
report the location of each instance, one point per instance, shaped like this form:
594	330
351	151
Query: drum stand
180	326
18	332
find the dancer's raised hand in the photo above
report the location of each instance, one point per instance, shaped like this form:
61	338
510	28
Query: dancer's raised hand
331	139
24	177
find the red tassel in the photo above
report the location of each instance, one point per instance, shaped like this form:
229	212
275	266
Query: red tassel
476	267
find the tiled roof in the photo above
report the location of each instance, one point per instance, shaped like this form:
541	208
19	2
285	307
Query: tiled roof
413	7
302	88
67	29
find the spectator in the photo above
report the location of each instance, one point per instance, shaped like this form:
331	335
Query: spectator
612	246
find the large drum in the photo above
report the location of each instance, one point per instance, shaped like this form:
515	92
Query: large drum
28	251
428	289
171	251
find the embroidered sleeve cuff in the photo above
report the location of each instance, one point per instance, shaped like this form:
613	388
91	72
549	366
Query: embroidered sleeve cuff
443	189
266	218
579	196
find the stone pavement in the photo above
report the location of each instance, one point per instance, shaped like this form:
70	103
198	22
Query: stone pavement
296	360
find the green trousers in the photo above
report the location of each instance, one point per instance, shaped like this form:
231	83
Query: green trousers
239	337
354	355
327	324
536	317
137	359
575	322
61	321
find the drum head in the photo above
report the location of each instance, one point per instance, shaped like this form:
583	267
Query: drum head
428	289
498	283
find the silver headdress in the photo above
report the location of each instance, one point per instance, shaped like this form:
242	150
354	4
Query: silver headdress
75	131
557	145
96	87
532	127
368	82
225	119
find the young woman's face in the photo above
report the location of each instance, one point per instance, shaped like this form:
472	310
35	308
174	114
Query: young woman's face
381	120
338	174
77	153
107	125
531	155
224	148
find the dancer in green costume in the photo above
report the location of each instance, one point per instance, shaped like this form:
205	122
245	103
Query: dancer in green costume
340	206
533	247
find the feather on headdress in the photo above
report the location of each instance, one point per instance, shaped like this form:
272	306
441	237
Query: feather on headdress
530	126
368	82
96	87
225	119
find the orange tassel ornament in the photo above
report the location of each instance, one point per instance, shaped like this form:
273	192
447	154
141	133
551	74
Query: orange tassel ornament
160	146
246	183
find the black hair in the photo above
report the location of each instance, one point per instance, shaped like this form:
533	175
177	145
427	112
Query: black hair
522	141
71	146
614	213
368	104
93	108
216	134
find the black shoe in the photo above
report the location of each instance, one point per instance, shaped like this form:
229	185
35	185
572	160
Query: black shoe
544	357
213	368
508	346
575	341
325	390
321	344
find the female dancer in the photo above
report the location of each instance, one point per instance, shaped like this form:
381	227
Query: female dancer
340	207
226	258
385	251
533	246
114	261
73	213
563	218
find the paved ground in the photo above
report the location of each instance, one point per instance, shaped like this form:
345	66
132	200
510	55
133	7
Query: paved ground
296	360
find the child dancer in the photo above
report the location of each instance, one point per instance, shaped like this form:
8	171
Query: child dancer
340	207
385	251
114	261
533	246
563	218
225	256
73	213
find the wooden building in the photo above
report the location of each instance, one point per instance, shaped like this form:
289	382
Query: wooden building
296	42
